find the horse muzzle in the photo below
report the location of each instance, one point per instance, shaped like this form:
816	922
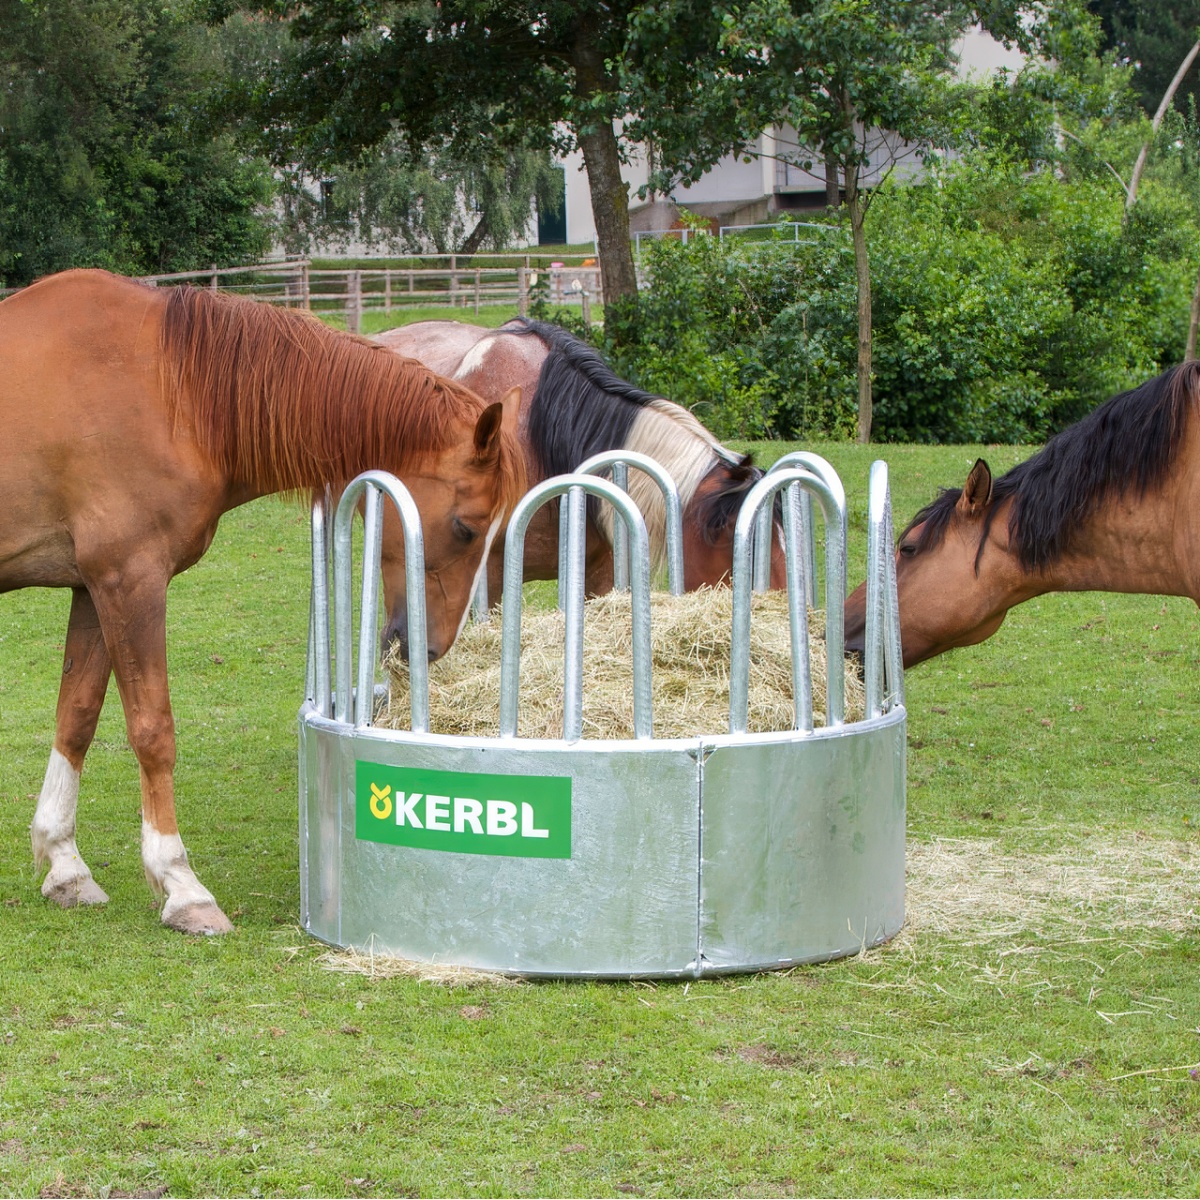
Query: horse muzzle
855	621
395	638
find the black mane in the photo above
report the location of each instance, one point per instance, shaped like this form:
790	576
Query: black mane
583	419
1129	442
582	407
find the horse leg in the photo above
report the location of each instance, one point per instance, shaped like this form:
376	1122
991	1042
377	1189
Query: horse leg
133	614
86	668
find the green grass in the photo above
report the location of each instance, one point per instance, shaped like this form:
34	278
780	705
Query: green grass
1000	1046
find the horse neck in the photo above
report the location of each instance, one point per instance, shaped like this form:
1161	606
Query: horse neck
283	404
1120	548
1130	547
688	459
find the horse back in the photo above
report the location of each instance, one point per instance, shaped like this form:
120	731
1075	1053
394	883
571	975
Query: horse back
90	452
488	361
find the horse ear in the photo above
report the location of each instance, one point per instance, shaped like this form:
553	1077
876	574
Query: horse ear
487	434
977	491
511	403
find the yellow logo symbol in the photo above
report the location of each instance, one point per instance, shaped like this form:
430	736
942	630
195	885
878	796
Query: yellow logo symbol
381	801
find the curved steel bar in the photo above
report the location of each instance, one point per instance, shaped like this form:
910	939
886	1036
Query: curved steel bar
670	490
514	557
620	543
883	666
372	483
317	672
574	509
822	469
798	589
833	509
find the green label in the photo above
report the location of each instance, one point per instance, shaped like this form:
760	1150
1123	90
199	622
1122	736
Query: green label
520	816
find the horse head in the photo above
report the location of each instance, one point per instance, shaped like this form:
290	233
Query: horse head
464	494
950	593
709	518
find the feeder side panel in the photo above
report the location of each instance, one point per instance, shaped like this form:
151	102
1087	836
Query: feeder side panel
621	901
802	846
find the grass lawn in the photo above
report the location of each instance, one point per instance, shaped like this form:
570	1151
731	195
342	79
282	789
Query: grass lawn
1035	1029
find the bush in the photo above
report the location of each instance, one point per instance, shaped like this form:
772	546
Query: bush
1006	304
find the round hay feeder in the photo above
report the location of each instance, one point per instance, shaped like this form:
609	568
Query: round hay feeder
639	857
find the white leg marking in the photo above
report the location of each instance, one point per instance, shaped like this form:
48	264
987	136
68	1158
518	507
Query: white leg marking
68	881
188	905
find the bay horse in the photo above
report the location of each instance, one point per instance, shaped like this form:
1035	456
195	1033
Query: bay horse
1110	504
575	406
133	419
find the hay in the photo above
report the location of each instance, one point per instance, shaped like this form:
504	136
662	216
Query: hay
1097	886
690	646
374	965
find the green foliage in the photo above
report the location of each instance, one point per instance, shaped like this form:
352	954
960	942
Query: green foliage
107	153
1007	303
1153	36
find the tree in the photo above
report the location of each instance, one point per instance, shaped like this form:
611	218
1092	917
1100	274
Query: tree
392	202
1152	36
841	71
468	79
836	70
108	155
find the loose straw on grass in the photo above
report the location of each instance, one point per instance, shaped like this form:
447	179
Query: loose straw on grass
690	650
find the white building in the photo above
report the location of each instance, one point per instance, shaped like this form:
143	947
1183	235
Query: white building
755	186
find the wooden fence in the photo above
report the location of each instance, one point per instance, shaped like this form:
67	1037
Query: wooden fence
356	290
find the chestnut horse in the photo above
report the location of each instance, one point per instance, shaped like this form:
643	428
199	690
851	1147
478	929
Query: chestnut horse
576	406
133	419
1110	504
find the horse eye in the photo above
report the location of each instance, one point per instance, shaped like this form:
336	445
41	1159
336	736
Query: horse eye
464	532
907	549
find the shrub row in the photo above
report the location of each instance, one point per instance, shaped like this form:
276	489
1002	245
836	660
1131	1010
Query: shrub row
1006	304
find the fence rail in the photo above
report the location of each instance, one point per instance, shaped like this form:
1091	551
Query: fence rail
353	291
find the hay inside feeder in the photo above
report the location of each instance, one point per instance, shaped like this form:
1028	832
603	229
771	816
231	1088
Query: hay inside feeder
690	647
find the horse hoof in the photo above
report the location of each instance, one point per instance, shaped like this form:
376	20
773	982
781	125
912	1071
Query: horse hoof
67	893
205	919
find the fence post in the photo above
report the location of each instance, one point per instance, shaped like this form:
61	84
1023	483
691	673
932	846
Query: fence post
354	301
585	299
213	283
523	290
454	281
304	284
477	275
387	291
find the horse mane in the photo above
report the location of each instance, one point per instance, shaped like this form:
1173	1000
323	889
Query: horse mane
286	404
582	407
1129	442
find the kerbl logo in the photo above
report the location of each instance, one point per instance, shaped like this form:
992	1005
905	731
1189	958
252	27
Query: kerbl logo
519	816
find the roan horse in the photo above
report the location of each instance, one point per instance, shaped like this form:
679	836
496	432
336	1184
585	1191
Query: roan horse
576	406
133	418
1109	504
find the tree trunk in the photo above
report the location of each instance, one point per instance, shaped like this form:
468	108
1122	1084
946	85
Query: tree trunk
474	239
833	193
862	271
1164	104
610	196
